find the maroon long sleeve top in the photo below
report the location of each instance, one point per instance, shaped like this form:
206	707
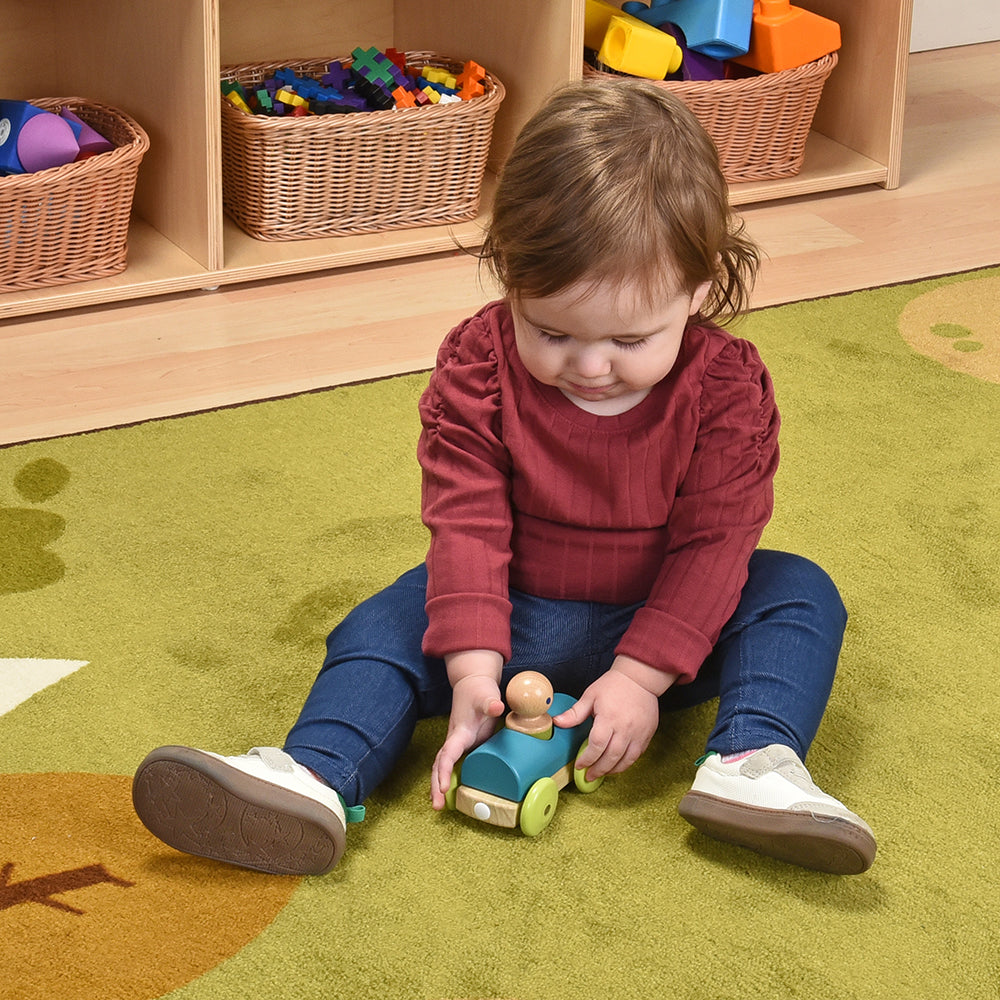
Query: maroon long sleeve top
662	504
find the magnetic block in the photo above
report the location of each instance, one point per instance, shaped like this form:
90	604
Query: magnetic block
639	49
718	28
784	36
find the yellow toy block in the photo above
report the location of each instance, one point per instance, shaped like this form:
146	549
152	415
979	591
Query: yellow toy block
639	49
596	16
290	97
237	102
437	75
434	95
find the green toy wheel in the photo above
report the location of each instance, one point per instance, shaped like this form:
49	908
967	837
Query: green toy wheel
449	796
539	806
580	775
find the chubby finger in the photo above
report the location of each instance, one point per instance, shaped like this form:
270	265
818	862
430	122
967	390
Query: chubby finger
575	714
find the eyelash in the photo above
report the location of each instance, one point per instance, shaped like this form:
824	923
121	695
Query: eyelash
624	345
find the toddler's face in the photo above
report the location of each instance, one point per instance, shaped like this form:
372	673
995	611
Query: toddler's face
603	346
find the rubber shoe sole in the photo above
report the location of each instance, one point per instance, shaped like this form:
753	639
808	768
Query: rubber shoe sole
823	843
198	804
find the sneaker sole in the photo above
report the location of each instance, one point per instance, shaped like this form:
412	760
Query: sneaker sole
200	805
823	843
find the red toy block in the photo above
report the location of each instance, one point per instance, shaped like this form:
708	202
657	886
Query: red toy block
399	58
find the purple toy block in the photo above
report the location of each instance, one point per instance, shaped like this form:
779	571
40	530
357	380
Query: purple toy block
695	65
33	139
88	139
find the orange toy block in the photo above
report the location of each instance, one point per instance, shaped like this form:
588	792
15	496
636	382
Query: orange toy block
784	36
471	81
404	98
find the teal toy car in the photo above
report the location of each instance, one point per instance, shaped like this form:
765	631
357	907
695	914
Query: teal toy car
513	779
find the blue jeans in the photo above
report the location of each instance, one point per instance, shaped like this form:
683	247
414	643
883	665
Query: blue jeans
772	669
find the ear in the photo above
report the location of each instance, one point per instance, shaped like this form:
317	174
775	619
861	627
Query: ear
699	296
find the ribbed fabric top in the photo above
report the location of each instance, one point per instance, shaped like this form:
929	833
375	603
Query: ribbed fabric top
662	504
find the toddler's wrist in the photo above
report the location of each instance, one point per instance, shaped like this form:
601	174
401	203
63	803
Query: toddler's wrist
651	679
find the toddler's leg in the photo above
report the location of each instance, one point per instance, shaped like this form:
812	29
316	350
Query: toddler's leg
268	809
775	663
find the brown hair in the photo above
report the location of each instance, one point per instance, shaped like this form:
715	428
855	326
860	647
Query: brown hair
616	180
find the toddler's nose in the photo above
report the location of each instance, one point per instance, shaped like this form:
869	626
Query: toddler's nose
591	363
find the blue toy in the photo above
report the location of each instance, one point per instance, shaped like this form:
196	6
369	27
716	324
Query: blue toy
718	28
33	139
513	779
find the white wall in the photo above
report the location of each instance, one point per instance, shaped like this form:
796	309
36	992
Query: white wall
940	24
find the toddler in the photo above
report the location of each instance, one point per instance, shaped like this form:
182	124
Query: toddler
597	459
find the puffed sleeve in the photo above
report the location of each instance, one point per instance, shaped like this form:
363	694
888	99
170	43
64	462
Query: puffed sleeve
466	494
725	500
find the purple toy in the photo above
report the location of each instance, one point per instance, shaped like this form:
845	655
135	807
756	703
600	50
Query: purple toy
33	139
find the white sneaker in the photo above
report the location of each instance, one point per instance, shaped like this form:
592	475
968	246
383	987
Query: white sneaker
768	802
261	810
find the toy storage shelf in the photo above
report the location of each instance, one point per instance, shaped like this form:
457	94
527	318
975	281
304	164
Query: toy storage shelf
160	61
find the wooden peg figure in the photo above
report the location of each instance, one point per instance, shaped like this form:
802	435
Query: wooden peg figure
529	695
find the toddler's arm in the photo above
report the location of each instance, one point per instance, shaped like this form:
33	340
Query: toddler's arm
475	707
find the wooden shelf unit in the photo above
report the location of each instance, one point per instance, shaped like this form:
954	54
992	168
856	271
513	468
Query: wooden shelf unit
160	60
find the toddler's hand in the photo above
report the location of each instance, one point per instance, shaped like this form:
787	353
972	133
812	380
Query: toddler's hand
475	707
625	717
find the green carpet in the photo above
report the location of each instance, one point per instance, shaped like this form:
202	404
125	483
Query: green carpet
185	572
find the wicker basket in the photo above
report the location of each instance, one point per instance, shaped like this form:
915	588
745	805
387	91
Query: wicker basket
339	175
759	124
70	223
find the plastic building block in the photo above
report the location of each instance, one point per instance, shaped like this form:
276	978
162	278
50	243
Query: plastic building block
639	49
372	65
596	15
695	65
718	28
784	37
471	82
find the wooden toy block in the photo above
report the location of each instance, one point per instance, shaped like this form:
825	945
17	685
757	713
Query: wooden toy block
784	36
639	49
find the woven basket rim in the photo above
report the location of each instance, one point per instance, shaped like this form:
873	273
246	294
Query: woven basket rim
494	95
113	159
806	73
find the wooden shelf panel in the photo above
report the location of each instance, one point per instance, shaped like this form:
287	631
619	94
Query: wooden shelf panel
184	242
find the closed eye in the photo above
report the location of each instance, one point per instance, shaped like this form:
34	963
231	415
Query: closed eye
630	345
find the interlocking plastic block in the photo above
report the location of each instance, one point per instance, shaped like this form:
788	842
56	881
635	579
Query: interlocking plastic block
639	49
784	37
718	28
337	76
437	75
373	65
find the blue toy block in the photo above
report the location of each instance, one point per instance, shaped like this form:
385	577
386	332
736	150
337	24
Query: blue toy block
695	65
33	139
718	28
